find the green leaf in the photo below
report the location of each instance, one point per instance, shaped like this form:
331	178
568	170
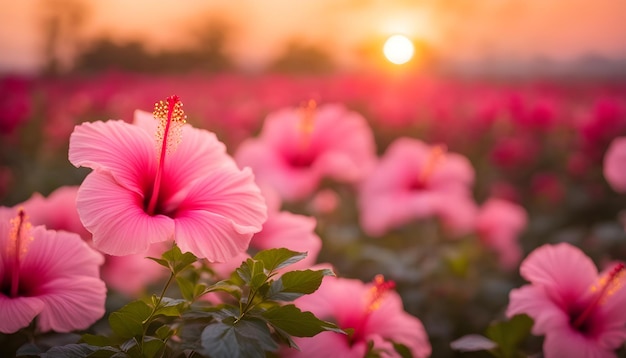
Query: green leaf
274	259
252	273
80	350
294	284
177	261
164	332
96	340
186	287
127	322
509	335
294	322
248	337
152	347
28	349
402	350
225	286
171	307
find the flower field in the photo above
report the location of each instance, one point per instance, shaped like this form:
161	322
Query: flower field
439	216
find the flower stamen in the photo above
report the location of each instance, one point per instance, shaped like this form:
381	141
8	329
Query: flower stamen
171	118
378	292
307	123
436	155
605	287
19	240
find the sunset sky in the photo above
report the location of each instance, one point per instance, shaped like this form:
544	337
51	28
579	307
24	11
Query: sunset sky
458	30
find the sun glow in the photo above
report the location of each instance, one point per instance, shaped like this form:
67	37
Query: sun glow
398	49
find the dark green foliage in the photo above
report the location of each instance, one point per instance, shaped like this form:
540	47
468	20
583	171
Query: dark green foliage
252	322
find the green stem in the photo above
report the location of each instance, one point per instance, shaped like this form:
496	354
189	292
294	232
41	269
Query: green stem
148	320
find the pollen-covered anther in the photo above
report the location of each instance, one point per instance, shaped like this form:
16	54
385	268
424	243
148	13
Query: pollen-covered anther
171	118
603	289
378	291
436	155
307	118
306	123
19	241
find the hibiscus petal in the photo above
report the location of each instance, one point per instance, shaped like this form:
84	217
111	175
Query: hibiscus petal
60	253
614	161
564	271
534	301
18	312
115	217
271	170
391	322
569	343
381	213
125	150
199	152
210	236
231	194
71	303
325	344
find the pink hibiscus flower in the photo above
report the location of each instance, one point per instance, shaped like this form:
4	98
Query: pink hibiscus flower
416	181
129	274
498	225
615	164
154	182
298	148
57	211
580	312
374	311
51	275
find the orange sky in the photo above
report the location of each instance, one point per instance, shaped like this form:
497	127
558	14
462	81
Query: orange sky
456	29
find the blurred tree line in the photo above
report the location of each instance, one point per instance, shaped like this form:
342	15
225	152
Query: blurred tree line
67	50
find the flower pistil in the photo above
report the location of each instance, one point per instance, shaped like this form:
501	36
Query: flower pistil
171	118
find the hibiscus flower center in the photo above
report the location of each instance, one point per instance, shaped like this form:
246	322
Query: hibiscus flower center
171	118
375	296
435	157
17	246
605	287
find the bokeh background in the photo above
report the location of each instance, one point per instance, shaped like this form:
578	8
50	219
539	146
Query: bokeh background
532	92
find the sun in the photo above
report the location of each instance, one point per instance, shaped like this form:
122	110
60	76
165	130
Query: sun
398	49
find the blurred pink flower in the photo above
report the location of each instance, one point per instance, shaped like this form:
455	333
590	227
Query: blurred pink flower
580	312
57	211
132	274
51	275
547	187
615	165
281	230
298	148
325	201
128	274
498	225
374	311
416	181
15	103
293	232
180	186
514	153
